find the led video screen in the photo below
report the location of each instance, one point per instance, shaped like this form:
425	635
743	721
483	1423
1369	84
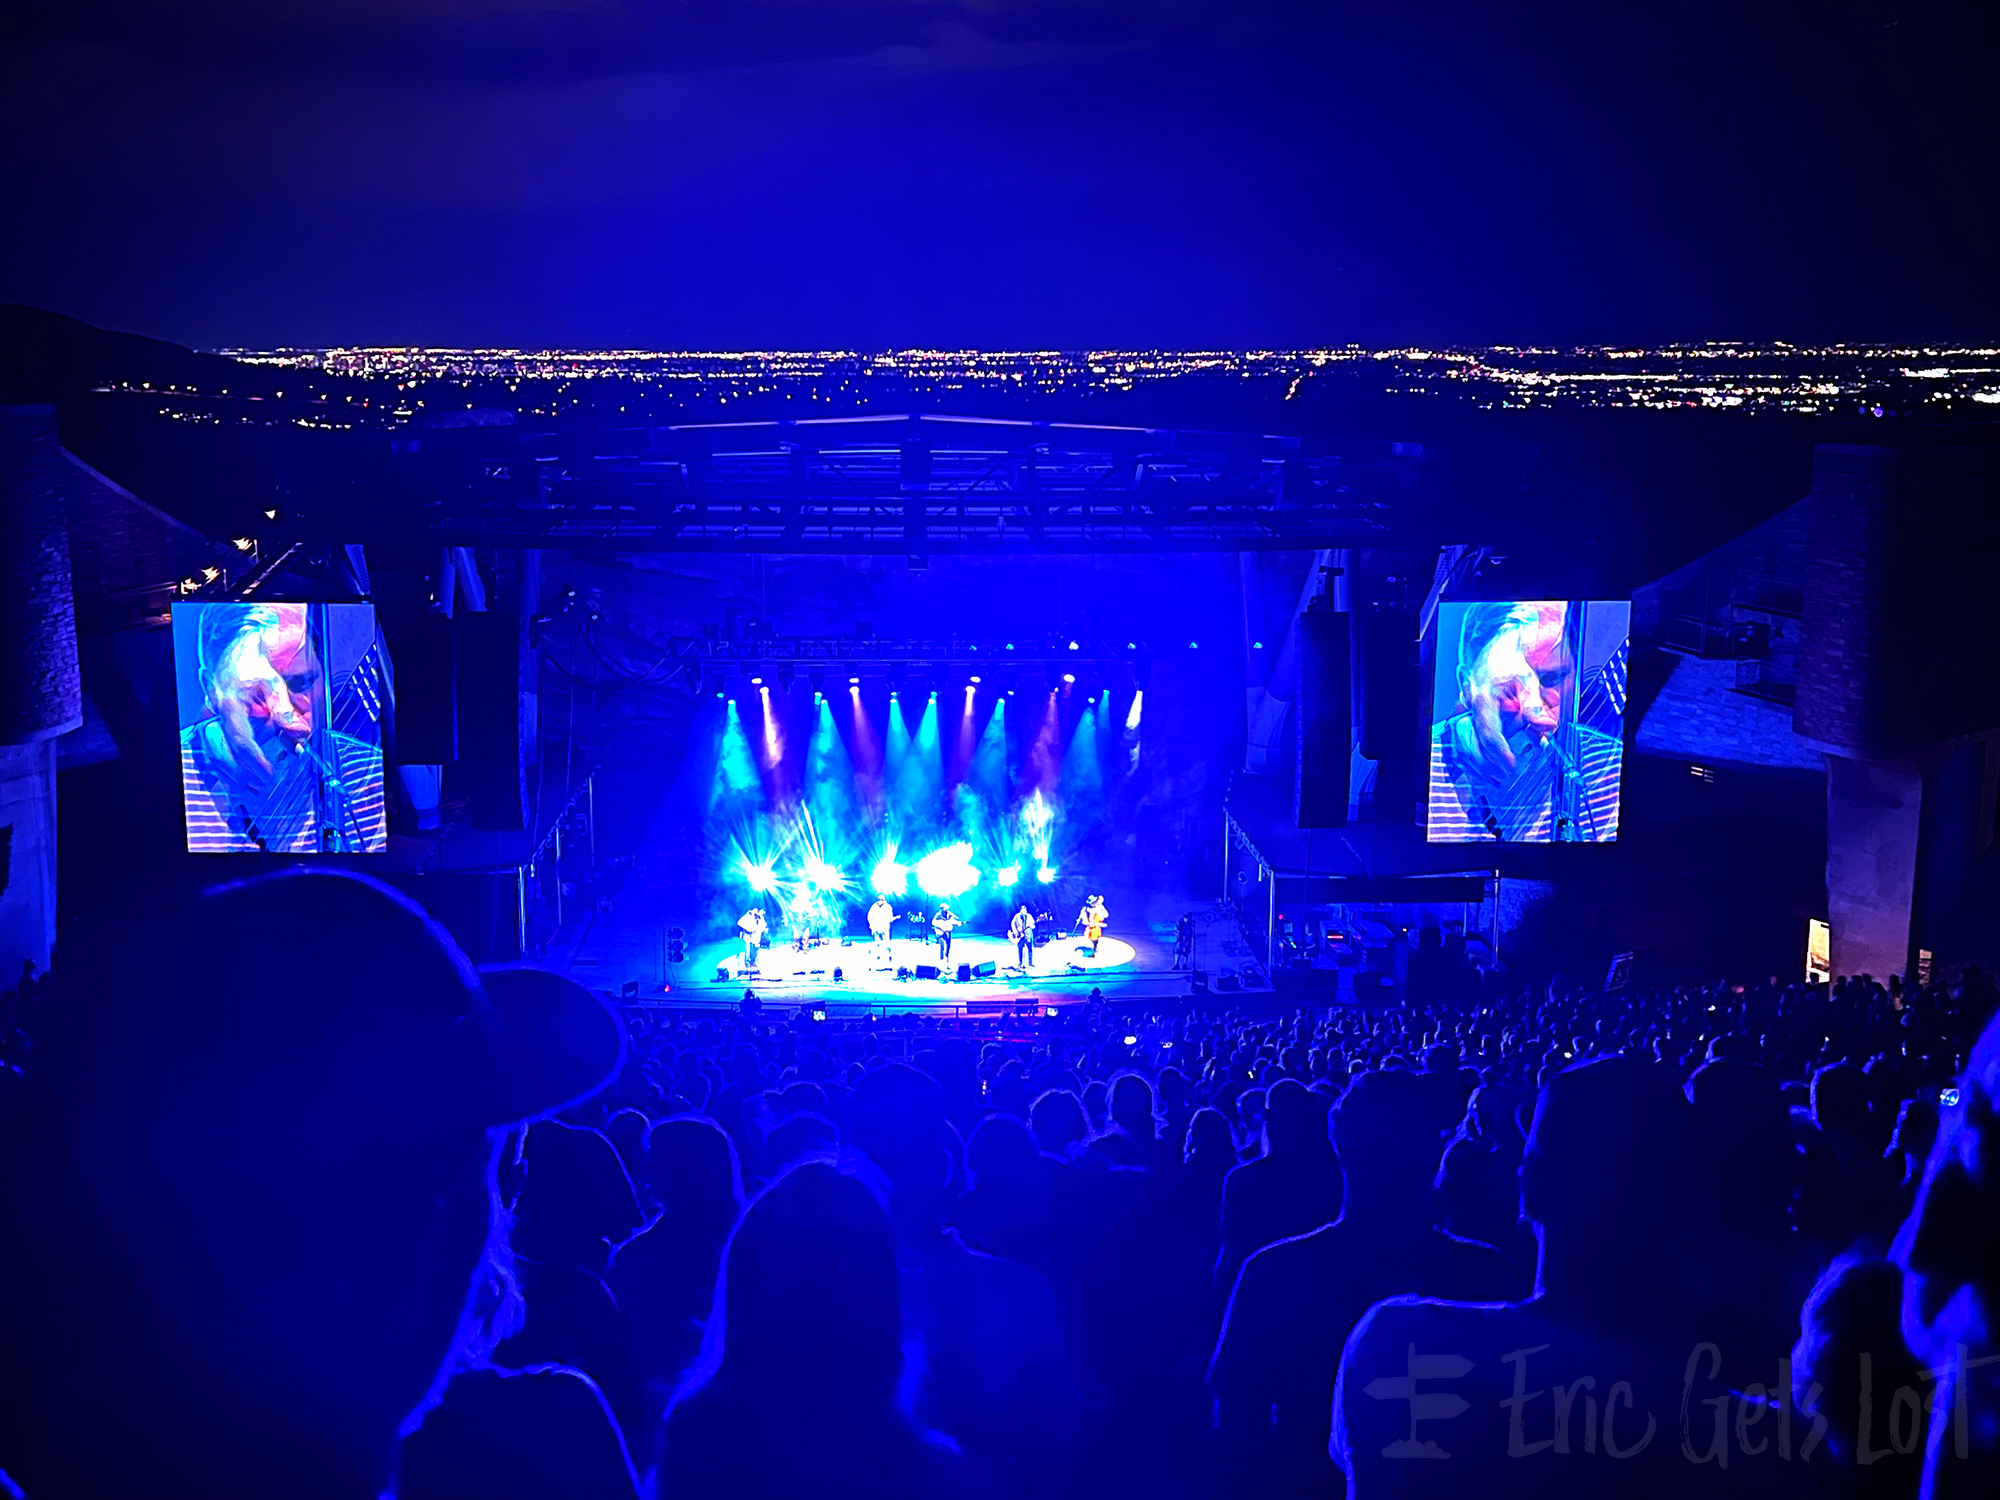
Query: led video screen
1528	721
280	711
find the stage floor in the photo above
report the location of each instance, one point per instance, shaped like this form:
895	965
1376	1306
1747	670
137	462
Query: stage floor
1135	961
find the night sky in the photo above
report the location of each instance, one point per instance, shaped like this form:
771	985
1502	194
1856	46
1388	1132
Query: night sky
1001	173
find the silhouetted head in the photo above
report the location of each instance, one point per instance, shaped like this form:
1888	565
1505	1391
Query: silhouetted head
897	1119
1855	1309
1840	1099
1058	1121
1209	1137
1611	1161
799	1136
1950	1246
1294	1118
1001	1151
692	1170
1388	1127
1132	1106
808	1298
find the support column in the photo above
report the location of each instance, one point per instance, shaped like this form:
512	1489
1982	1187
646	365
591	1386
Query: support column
1874	813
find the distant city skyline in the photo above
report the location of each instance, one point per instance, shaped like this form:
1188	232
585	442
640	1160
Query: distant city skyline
1838	379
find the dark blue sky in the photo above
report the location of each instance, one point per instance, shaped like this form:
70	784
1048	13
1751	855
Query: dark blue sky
1001	173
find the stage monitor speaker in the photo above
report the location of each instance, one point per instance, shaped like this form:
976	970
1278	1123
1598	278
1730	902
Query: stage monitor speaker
987	970
1228	984
964	973
421	653
489	720
1325	715
929	971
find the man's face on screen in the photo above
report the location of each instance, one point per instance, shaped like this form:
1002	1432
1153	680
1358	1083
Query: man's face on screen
1529	671
294	662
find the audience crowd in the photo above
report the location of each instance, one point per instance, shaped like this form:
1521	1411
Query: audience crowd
385	1226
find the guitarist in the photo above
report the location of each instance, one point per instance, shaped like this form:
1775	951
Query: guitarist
942	924
1022	931
753	927
880	918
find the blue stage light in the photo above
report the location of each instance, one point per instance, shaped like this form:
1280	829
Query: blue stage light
822	876
1131	645
1194	645
762	878
1007	875
888	877
1256	645
1073	646
947	871
1045	874
1010	645
1069	677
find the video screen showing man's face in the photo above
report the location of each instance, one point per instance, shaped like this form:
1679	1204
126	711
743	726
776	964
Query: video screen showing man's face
280	710
1527	721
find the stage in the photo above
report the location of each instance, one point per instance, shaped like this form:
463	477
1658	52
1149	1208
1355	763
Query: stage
627	945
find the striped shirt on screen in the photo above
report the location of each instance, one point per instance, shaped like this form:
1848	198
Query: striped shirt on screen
1462	812
222	818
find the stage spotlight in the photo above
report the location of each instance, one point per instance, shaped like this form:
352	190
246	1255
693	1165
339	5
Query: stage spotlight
898	675
756	682
854	681
1054	674
1142	672
787	675
1131	645
817	677
822	875
1074	647
762	878
1010	645
1007	875
1256	645
888	877
1130	1040
1049	1011
1068	678
947	871
973	679
1194	645
1045	874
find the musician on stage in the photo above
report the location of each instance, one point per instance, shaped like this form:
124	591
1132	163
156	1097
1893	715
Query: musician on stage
880	918
1184	942
1092	919
942	924
753	927
1022	931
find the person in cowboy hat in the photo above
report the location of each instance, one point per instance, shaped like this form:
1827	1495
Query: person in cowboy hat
246	1183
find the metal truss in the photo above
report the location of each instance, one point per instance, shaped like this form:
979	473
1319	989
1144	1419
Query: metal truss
910	485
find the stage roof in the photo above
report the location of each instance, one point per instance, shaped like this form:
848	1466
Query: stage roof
915	485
